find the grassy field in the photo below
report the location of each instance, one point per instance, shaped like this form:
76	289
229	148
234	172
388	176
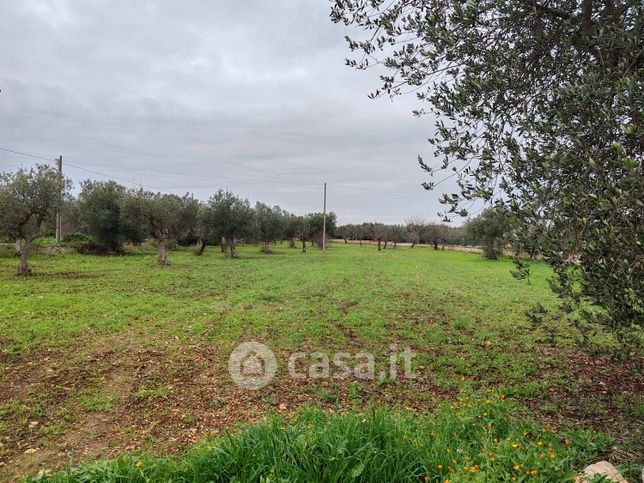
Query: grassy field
109	355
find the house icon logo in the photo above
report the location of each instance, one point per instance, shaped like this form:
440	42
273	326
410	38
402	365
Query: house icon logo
252	365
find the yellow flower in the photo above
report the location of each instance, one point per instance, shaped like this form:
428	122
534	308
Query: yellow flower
517	468
138	464
427	478
515	445
541	456
440	467
492	460
552	456
446	481
539	443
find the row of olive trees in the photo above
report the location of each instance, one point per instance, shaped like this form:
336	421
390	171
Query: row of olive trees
416	230
113	215
492	230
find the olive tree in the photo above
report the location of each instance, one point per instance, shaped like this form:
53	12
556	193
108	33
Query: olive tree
415	227
270	223
538	106
99	207
315	223
490	230
302	230
227	216
185	226
29	198
163	214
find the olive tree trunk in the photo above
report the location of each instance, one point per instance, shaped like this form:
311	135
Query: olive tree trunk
162	258
233	249
202	246
303	245
291	242
23	245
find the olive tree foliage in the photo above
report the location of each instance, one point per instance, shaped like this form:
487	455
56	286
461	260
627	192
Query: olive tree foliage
271	223
291	229
301	227
226	216
28	199
315	223
99	207
185	228
539	107
491	230
161	215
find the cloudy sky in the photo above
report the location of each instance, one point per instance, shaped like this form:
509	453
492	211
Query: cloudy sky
192	96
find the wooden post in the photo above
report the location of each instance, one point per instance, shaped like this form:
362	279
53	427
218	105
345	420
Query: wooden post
59	221
324	222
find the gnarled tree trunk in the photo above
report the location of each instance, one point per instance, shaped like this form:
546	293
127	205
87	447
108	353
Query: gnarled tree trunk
291	242
162	258
266	248
379	248
233	250
24	245
303	244
202	246
222	244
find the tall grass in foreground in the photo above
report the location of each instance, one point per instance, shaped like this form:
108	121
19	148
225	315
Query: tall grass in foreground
474	438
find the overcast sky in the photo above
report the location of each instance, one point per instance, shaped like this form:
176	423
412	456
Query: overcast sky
192	96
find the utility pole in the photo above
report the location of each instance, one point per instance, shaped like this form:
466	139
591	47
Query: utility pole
324	222
59	221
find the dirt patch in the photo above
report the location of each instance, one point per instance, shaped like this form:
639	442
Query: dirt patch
129	392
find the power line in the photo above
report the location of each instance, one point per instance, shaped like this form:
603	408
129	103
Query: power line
115	178
25	154
246	179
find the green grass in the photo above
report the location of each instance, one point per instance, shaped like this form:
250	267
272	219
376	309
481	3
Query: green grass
114	354
473	438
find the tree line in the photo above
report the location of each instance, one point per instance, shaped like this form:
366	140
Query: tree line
107	215
415	230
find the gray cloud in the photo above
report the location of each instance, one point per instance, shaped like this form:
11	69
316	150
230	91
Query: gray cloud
196	95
